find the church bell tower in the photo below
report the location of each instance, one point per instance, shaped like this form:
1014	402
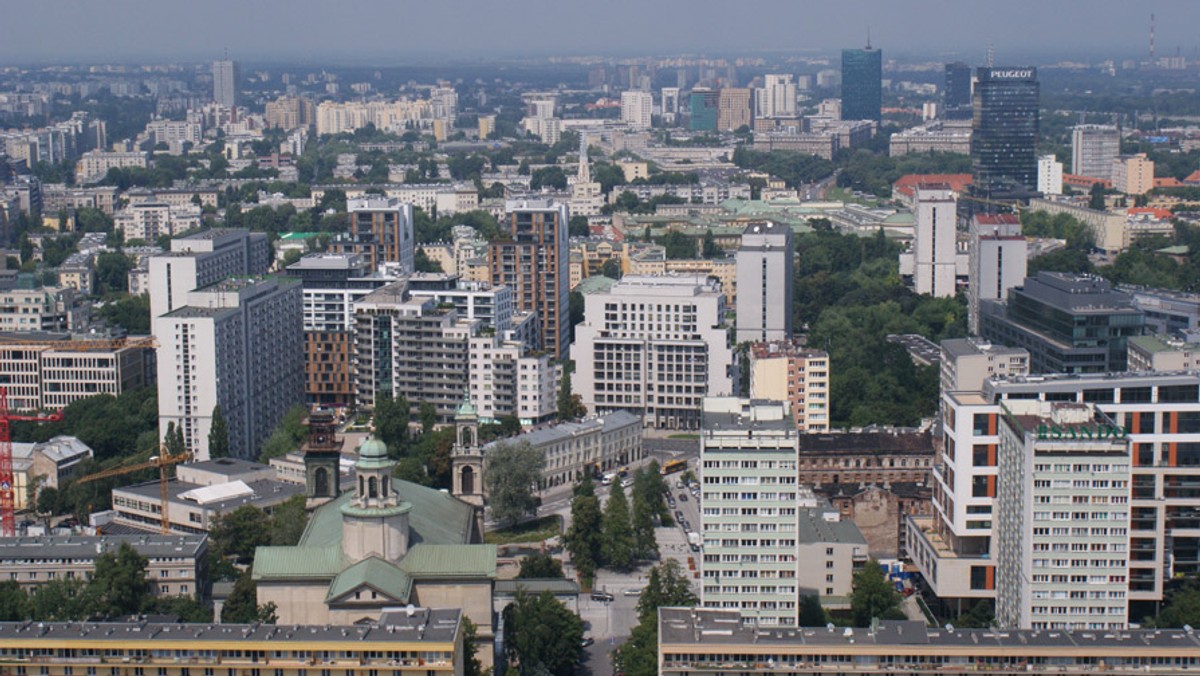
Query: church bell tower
322	455
466	460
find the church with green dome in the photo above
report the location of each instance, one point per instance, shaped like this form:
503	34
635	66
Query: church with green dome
386	544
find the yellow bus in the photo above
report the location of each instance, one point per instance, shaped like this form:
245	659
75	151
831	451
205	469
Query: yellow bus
672	466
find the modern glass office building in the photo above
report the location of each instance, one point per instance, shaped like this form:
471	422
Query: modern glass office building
1005	133
862	84
704	107
956	93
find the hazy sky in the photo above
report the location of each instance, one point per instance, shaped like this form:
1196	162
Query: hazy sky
395	30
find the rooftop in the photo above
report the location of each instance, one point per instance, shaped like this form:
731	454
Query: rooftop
423	625
694	626
88	547
824	525
872	442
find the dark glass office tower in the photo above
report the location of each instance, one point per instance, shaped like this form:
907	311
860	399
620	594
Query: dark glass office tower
862	84
956	93
1005	133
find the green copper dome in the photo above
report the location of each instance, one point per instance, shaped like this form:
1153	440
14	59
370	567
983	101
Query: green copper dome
372	449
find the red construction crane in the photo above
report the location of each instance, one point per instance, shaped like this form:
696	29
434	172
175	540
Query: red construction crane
8	521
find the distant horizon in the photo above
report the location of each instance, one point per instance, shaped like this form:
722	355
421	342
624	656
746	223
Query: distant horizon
387	32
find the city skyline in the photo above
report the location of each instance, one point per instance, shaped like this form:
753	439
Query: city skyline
937	28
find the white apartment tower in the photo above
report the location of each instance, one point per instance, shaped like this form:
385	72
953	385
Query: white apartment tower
637	108
1093	149
777	98
227	77
935	244
237	344
748	456
1062	518
203	259
1050	172
654	346
997	260
765	268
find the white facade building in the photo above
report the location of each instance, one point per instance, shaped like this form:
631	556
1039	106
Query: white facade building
777	98
1062	518
1050	172
637	108
576	449
238	344
935	243
1093	149
202	259
998	259
654	346
148	221
507	379
765	268
227	78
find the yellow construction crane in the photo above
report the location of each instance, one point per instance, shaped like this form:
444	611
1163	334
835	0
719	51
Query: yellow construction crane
163	461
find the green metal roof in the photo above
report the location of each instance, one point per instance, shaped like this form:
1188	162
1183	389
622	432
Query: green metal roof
375	573
595	284
276	563
299	235
450	561
559	586
1177	250
1151	344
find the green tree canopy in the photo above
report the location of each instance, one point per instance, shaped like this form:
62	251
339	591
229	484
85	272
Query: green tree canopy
584	538
542	635
619	545
540	565
873	596
513	470
218	435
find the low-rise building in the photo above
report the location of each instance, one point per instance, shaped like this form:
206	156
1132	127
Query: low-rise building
939	136
693	640
176	565
200	493
94	164
46	464
577	449
1164	353
404	641
42	309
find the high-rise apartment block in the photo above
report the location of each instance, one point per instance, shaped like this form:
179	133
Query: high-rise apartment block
765	268
381	229
956	548
203	259
532	259
1069	323
777	98
1062	518
331	283
702	108
956	92
997	261
1093	149
862	84
787	371
733	109
508	379
227	81
748	481
637	108
654	346
1133	174
1004	132
935	241
1050	175
237	344
290	112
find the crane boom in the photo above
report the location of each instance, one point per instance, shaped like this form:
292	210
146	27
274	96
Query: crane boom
163	462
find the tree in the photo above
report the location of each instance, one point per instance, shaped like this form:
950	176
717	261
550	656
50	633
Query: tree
14	602
873	596
513	471
540	565
423	263
242	605
391	420
710	248
667	585
119	587
288	520
428	417
1096	197
570	406
112	272
981	616
131	313
1183	608
584	537
619	546
542	635
578	227
218	435
238	533
811	612
644	510
288	434
611	269
471	664
174	440
548	177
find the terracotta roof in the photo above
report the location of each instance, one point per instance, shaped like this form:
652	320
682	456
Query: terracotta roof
907	183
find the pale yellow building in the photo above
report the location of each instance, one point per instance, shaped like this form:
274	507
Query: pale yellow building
786	371
1133	174
487	125
634	170
733	108
443	255
652	261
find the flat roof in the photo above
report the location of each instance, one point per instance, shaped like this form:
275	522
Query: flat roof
813	527
695	626
395	626
90	546
873	442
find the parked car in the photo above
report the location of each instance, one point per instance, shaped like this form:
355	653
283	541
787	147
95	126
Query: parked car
683	497
633	591
602	596
587	641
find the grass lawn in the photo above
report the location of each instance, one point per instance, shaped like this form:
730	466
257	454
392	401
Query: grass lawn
530	531
684	436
